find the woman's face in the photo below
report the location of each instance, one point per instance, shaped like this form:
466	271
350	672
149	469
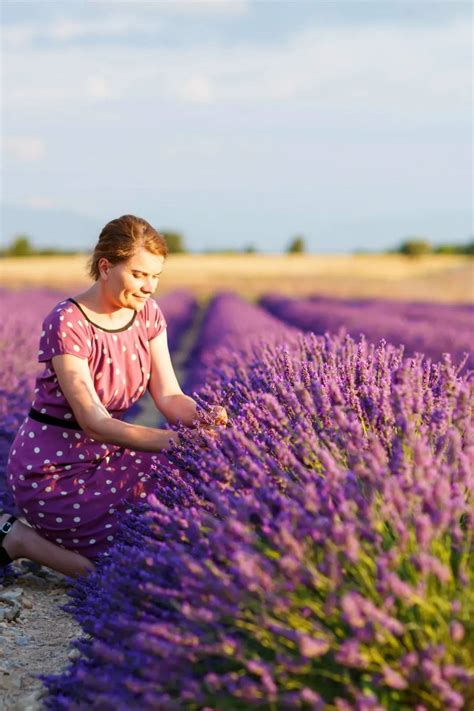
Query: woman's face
129	284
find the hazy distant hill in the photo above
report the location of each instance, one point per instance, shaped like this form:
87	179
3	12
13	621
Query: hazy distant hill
50	228
67	229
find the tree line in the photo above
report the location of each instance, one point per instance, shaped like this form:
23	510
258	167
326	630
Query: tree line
21	246
419	246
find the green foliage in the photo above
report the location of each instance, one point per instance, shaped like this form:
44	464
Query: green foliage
447	249
467	248
20	247
418	246
415	247
175	242
297	245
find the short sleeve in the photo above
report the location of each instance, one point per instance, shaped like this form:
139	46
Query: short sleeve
62	332
155	321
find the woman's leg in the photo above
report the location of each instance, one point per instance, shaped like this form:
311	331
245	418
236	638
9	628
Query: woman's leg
22	541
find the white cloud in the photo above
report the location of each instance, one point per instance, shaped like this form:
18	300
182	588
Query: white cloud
25	149
394	69
196	90
97	87
209	8
142	19
232	8
41	202
63	29
80	86
18	35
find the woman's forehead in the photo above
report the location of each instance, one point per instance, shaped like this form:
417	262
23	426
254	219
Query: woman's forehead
145	261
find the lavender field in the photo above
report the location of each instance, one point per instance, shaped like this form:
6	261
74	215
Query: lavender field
318	552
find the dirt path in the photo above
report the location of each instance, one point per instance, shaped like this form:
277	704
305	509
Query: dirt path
35	634
37	639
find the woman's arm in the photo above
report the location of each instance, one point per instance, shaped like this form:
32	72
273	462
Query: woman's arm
164	387
166	391
76	384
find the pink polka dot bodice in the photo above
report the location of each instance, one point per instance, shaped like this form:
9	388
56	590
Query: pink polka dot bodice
119	361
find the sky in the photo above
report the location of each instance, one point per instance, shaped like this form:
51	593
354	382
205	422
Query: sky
238	123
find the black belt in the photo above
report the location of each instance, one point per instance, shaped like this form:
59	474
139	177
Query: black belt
50	420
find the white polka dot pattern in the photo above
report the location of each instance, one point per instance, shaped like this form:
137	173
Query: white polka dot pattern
72	489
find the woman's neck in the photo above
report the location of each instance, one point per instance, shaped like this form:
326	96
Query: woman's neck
104	312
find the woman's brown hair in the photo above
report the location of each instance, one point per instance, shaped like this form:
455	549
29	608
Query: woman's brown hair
120	238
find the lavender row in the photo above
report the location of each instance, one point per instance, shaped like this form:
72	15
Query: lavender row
230	322
317	554
21	314
435	313
424	332
179	309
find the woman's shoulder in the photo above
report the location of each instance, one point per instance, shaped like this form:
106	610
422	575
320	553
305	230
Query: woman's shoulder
64	331
65	310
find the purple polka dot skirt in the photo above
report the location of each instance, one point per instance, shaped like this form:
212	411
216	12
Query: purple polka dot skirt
73	490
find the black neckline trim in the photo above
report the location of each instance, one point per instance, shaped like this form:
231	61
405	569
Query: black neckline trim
109	330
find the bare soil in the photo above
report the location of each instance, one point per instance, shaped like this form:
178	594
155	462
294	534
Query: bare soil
38	640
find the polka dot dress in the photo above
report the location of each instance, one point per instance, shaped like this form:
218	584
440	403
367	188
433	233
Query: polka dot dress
71	488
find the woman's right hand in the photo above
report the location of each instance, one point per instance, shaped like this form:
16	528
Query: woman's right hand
173	439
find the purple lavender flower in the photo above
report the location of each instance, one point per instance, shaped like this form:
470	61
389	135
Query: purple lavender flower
304	558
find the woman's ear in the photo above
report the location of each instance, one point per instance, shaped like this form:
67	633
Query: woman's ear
104	267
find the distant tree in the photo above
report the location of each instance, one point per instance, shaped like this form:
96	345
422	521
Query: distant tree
297	245
56	252
467	248
175	242
250	249
20	247
415	247
447	249
225	251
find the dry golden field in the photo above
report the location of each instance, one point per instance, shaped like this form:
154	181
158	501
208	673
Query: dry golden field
430	278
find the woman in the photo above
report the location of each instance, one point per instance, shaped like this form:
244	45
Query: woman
75	467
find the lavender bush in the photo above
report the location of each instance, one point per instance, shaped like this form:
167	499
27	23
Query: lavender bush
431	329
432	311
231	323
21	315
317	555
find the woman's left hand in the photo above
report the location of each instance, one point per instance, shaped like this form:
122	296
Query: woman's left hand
219	414
216	417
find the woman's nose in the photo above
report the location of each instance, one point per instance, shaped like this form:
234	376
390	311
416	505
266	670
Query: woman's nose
148	286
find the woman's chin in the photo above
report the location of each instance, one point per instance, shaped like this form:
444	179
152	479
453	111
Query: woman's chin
138	303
